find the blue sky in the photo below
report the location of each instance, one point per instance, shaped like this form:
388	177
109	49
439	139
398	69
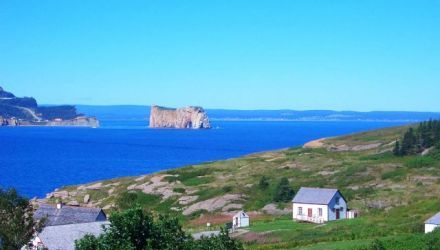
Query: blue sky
310	54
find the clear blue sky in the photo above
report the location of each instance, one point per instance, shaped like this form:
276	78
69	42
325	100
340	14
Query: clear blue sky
309	54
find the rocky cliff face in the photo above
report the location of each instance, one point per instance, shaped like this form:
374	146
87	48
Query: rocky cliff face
22	111
188	117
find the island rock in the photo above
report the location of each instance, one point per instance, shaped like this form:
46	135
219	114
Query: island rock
188	117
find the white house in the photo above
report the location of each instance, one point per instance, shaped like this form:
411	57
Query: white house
240	219
62	237
432	223
319	205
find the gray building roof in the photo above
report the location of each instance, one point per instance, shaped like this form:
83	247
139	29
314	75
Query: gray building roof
241	214
68	214
63	237
321	196
434	220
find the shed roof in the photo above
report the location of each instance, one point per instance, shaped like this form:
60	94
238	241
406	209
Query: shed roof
241	214
68	214
434	220
321	196
62	237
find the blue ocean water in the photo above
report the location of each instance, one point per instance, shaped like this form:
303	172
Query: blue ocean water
36	160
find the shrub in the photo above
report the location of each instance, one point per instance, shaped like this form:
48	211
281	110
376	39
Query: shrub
420	162
179	190
263	184
397	174
283	192
128	200
135	229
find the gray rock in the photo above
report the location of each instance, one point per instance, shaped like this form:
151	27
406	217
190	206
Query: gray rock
86	198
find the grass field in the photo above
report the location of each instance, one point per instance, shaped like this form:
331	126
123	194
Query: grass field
394	194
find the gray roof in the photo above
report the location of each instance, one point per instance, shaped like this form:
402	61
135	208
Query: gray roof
63	237
68	214
314	195
241	214
434	220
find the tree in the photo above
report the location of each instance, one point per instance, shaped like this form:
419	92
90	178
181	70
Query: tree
396	150
283	192
264	183
408	142
221	242
135	229
16	220
433	240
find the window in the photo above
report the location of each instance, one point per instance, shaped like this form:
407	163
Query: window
337	200
320	211
300	210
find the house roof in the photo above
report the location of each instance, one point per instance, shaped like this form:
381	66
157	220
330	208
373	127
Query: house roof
63	237
314	195
67	214
434	220
241	214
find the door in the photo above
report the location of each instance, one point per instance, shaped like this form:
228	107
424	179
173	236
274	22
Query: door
309	212
337	214
236	221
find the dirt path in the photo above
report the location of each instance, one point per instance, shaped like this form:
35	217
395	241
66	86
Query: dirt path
32	113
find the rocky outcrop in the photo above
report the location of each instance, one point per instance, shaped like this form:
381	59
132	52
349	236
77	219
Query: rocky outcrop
24	111
188	117
76	122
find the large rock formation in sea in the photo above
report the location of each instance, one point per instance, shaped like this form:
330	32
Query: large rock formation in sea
188	117
21	111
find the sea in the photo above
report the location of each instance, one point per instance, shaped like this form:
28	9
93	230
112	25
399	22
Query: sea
37	160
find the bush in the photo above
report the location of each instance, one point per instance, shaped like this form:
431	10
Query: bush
283	192
397	174
135	229
179	190
264	183
131	199
420	162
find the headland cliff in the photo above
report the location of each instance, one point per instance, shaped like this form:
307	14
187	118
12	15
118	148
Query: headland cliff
25	111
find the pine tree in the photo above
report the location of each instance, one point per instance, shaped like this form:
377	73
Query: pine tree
283	192
396	150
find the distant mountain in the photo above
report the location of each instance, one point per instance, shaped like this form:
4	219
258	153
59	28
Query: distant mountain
16	111
131	112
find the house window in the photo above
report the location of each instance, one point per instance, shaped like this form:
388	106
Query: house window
337	200
300	210
320	211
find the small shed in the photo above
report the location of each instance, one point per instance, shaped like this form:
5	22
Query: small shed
432	223
240	219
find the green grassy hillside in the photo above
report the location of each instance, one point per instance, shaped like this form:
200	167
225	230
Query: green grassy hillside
394	194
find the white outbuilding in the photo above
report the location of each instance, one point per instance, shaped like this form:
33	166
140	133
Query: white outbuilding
432	223
240	219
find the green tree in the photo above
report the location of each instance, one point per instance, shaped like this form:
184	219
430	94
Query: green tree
135	229
433	240
220	242
16	220
264	183
283	191
396	150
